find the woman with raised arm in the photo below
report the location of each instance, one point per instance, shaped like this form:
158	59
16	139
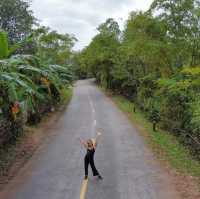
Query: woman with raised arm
91	145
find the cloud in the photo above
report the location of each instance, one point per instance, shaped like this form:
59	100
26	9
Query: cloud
82	17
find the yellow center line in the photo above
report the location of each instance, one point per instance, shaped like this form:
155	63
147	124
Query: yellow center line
83	189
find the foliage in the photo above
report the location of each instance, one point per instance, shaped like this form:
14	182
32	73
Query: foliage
32	84
7	50
182	21
164	144
3	45
24	78
52	46
16	19
99	56
36	87
154	62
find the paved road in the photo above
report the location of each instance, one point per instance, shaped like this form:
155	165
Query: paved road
127	165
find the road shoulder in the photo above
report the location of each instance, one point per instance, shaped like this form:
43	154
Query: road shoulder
185	183
19	154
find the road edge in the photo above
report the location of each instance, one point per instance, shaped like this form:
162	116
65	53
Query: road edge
187	185
27	145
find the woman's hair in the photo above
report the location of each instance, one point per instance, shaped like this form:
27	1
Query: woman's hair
89	143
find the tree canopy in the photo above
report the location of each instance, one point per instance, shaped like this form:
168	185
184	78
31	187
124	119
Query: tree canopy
154	61
16	19
35	68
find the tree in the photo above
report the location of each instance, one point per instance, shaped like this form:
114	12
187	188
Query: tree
16	19
178	14
53	47
145	38
109	28
100	54
182	20
155	63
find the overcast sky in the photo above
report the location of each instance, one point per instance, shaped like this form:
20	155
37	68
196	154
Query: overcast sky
81	17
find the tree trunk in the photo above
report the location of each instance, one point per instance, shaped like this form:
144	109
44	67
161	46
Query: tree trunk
154	126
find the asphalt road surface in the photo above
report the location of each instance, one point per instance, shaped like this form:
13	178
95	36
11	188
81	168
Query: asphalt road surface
56	170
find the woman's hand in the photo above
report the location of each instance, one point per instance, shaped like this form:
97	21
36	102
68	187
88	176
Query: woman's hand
82	142
96	139
99	133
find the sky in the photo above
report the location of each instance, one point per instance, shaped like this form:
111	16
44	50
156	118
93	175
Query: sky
82	17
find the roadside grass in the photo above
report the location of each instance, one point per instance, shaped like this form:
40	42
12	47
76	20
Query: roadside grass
165	145
66	95
15	151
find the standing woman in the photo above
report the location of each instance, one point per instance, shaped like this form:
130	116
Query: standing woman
90	145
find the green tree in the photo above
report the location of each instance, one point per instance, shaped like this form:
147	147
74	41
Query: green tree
53	47
109	28
153	62
100	54
145	39
182	20
16	19
3	45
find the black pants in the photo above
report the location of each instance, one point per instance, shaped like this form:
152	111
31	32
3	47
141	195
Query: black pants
90	160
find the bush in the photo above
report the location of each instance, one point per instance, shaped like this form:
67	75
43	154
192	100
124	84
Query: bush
29	89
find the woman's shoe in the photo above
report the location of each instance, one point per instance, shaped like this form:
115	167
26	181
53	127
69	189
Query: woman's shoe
86	177
100	177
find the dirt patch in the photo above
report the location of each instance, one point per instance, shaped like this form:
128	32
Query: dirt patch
187	186
27	145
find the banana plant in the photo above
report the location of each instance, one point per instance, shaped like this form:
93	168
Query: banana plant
3	45
18	88
26	79
5	50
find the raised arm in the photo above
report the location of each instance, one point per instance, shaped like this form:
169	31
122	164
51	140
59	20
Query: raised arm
96	139
82	143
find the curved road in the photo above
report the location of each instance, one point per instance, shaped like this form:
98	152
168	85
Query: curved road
127	165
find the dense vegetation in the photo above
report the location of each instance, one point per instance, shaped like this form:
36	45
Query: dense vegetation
154	62
35	68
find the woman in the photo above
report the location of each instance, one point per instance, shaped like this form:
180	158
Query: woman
90	145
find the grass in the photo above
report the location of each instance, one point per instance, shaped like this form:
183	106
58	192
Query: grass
66	95
165	145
